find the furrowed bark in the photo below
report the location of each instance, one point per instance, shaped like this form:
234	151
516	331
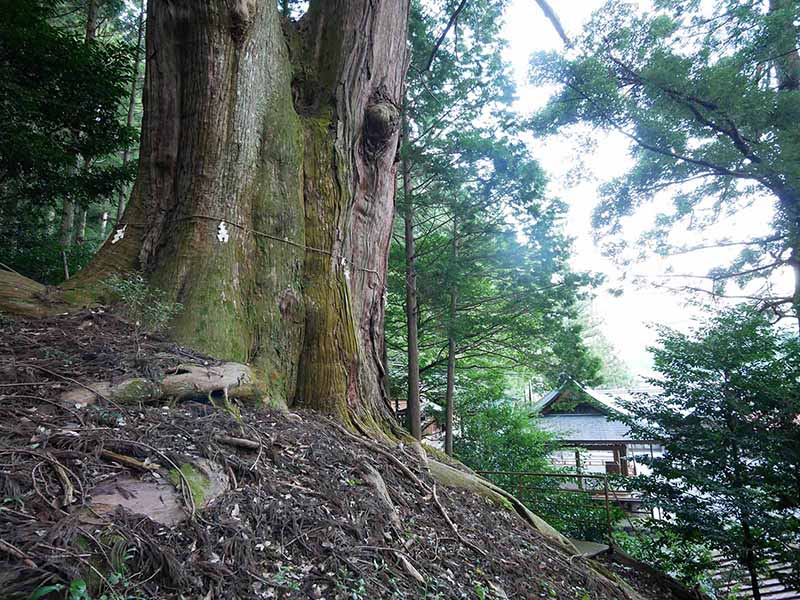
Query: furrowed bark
348	86
263	201
220	159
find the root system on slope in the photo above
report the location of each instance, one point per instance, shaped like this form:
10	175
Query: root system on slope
300	516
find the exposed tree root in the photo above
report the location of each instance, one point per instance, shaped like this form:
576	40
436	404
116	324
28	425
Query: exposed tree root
25	297
452	477
376	448
303	511
374	479
452	525
234	379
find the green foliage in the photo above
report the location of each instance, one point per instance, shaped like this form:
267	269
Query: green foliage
613	371
117	585
709	95
146	306
62	102
502	438
486	232
35	253
41	592
60	99
499	436
727	418
688	561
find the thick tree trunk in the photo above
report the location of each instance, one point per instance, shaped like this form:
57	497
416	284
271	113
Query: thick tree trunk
263	201
131	104
412	312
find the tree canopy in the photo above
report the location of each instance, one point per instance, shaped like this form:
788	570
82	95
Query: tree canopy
483	249
61	127
727	416
708	95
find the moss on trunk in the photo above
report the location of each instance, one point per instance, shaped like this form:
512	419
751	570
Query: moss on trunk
264	196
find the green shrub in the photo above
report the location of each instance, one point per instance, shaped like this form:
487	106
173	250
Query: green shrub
145	306
688	562
39	257
502	437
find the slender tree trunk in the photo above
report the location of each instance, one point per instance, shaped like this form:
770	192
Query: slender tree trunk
794	263
787	57
412	311
67	222
750	560
131	104
103	224
738	482
91	21
90	35
451	350
266	179
80	225
65	232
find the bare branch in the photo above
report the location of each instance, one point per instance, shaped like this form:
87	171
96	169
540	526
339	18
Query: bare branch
439	41
554	20
723	244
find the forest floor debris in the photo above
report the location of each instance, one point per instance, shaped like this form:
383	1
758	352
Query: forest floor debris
268	505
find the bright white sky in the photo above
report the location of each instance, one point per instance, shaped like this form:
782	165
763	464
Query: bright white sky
625	319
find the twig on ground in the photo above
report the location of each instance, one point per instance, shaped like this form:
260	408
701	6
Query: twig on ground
46	401
69	490
453	525
238	442
17	553
376	448
129	461
76	382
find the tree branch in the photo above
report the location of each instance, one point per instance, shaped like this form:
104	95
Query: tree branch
439	41
554	20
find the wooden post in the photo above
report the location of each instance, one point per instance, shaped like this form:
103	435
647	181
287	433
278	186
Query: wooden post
623	460
608	512
578	468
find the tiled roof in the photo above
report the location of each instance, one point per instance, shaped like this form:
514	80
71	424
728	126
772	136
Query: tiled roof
610	398
575	428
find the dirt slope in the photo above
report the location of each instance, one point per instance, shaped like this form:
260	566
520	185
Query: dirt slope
239	502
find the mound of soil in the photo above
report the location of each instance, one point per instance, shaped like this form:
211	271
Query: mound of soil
269	504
